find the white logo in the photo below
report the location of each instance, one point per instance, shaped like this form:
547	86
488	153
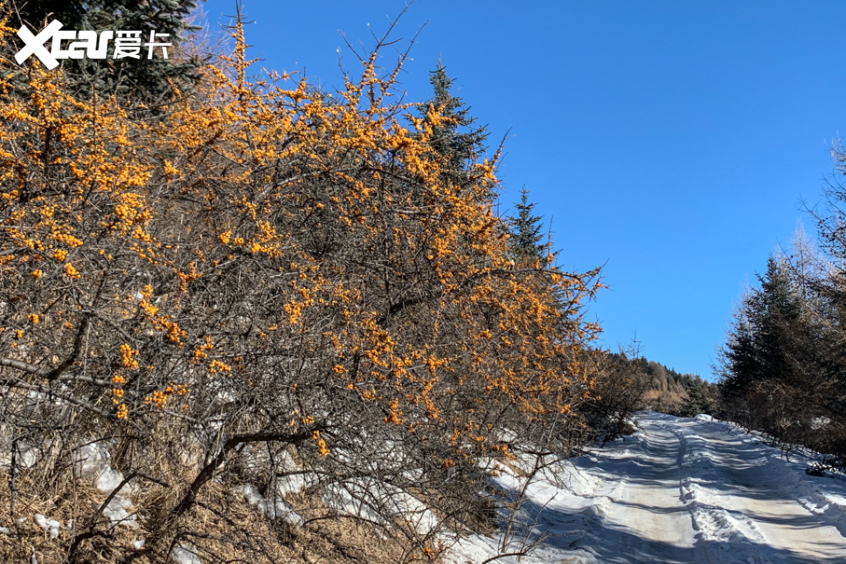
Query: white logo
90	44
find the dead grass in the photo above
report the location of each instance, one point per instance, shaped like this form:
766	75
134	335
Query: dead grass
222	527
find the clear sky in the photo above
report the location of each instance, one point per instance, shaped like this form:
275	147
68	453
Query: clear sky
673	142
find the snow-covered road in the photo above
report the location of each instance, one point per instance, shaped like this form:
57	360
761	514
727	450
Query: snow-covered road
679	491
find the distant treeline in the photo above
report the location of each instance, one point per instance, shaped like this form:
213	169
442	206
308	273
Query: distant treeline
668	391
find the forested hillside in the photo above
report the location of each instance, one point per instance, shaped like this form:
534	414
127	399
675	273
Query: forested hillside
665	390
672	392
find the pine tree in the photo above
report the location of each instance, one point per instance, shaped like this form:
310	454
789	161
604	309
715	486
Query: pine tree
779	313
769	358
740	358
526	231
145	79
763	343
697	400
456	138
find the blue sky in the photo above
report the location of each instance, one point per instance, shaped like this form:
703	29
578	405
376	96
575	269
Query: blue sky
673	142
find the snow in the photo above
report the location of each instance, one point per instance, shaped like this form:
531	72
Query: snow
819	422
27	455
272	508
108	480
352	498
93	464
360	498
50	526
677	491
184	555
295	482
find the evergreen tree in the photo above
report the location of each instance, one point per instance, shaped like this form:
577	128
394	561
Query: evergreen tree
456	138
768	358
697	400
762	344
145	79
526	231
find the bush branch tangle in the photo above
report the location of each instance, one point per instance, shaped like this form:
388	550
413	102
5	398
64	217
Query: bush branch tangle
265	263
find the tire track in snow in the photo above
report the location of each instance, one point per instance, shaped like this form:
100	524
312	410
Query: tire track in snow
743	498
649	506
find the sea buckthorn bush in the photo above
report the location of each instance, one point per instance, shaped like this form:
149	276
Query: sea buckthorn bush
261	280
